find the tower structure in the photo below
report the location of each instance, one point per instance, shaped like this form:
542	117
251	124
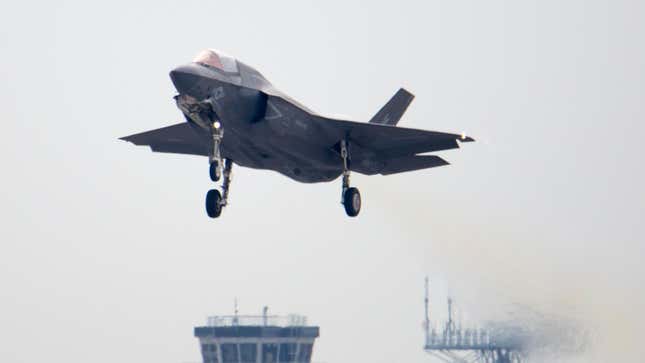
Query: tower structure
256	339
458	345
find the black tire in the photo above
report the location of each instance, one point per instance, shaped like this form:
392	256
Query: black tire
214	171
352	202
213	203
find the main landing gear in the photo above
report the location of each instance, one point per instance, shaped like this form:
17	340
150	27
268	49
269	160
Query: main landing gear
351	197
216	201
220	167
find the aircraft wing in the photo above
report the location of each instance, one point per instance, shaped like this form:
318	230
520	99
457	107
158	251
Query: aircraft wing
396	141
383	149
178	139
374	148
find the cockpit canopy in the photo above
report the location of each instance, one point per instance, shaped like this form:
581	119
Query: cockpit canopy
216	59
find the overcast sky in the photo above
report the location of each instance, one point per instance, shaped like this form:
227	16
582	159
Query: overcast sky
106	254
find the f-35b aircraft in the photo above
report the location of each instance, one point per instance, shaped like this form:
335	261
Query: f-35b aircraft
234	115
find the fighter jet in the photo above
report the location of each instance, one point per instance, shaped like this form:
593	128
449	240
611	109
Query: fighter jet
234	115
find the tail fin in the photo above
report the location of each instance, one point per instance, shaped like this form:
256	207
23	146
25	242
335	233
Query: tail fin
391	112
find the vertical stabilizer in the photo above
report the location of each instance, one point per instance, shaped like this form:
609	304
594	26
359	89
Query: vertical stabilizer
391	112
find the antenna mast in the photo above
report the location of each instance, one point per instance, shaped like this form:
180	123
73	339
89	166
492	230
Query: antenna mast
235	318
427	316
451	324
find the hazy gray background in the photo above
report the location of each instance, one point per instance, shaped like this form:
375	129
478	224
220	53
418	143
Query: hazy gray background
106	254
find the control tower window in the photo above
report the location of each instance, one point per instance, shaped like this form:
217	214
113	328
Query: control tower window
304	356
229	353
248	353
269	353
209	348
288	352
209	352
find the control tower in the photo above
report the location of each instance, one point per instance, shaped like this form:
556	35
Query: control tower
256	339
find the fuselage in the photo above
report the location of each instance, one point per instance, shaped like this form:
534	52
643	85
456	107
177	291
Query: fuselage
254	130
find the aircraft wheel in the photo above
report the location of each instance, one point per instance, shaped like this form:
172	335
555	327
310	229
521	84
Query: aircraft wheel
214	171
213	203
352	202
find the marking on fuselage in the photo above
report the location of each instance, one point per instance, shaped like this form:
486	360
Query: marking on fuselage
285	125
303	125
218	93
272	112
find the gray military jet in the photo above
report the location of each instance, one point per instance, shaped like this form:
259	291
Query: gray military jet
234	115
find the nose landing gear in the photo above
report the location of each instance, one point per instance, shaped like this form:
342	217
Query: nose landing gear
215	170
216	201
215	157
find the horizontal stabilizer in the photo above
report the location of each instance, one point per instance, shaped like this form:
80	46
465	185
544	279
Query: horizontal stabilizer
410	163
178	139
391	112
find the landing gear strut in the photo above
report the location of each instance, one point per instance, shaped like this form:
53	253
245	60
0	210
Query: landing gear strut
215	200
215	157
350	197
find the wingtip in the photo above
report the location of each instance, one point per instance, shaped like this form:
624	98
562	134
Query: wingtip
127	139
464	138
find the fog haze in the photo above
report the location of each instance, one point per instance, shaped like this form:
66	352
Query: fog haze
106	254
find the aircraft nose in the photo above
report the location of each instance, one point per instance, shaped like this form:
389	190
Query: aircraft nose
184	79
